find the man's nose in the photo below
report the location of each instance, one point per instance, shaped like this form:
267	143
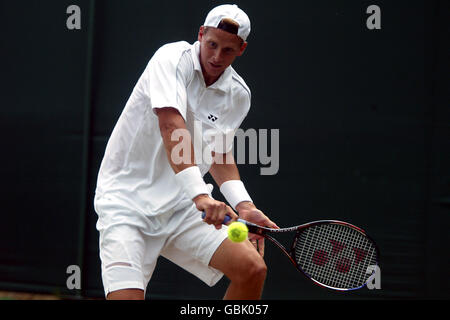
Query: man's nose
217	56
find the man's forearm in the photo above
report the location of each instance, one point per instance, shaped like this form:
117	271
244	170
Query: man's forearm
224	168
177	140
180	153
183	156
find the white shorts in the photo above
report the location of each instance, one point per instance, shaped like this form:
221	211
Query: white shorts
130	243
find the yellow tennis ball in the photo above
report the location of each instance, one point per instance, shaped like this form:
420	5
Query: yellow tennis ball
237	231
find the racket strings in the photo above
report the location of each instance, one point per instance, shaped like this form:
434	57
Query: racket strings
335	255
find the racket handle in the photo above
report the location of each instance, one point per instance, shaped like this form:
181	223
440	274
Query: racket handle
225	220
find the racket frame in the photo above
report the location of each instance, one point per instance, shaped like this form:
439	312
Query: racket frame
264	232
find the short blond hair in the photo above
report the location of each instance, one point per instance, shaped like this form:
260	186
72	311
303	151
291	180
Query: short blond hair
228	25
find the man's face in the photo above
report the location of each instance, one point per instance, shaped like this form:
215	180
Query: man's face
218	49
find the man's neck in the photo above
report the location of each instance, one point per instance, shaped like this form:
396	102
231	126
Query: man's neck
209	80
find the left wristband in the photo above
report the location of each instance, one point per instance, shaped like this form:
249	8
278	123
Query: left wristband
234	191
192	183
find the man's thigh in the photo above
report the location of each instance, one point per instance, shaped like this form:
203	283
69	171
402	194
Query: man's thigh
193	243
128	250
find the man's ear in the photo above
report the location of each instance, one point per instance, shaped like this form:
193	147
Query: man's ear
201	32
243	46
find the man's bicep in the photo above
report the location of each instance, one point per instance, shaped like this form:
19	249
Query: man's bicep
168	75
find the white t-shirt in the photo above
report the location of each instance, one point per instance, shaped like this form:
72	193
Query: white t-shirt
135	165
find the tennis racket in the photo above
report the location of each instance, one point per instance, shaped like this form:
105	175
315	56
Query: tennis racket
334	254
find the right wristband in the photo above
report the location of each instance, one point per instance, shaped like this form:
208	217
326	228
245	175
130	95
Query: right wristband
191	180
234	191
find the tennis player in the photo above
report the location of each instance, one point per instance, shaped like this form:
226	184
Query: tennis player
148	202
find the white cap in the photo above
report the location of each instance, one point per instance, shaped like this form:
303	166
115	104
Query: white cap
233	12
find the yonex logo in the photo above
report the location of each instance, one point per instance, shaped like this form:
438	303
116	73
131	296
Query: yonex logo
212	117
343	261
343	264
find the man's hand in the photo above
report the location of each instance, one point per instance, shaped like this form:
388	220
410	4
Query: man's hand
214	210
248	211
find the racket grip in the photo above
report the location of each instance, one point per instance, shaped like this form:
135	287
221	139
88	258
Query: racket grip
225	220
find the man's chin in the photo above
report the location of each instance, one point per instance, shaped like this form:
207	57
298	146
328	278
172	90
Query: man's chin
214	72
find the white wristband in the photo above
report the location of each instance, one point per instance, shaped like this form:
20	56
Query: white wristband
235	192
192	183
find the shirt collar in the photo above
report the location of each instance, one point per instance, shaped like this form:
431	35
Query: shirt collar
224	81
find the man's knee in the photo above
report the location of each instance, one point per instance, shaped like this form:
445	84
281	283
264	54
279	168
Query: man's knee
258	269
251	269
240	262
